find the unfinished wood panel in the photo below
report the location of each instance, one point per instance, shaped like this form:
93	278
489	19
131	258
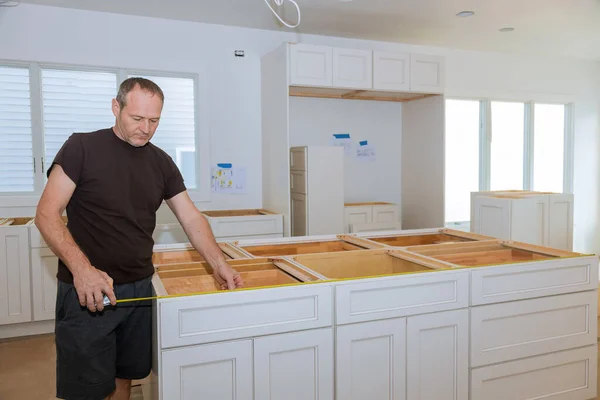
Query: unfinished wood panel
351	94
15	221
492	257
207	283
360	264
236	213
416	240
300	248
175	257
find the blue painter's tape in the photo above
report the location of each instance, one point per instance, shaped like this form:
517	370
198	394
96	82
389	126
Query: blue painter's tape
341	135
363	142
224	165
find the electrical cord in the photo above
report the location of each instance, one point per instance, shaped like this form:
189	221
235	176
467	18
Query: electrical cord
280	3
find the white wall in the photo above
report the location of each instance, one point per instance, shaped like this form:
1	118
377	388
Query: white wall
29	32
314	121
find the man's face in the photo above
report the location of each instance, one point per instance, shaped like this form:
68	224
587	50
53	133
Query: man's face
138	120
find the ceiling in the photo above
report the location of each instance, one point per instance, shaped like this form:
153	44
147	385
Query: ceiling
567	28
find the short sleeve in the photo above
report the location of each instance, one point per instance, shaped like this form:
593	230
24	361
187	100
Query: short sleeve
70	158
174	180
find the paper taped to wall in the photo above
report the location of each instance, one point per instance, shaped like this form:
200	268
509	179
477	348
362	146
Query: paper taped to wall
228	179
365	152
343	140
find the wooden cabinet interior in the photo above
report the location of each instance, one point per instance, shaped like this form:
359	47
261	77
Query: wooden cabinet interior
287	249
236	213
488	253
15	221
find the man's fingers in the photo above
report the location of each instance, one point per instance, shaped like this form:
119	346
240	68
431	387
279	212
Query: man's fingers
82	299
90	302
239	282
98	299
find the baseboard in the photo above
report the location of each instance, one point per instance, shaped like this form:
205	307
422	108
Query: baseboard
26	329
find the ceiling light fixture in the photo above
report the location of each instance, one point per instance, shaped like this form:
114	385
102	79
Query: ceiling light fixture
279	3
508	29
7	3
464	14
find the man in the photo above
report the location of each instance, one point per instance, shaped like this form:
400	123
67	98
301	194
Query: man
111	183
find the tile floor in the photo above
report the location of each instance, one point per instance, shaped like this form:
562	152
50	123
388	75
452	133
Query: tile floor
32	359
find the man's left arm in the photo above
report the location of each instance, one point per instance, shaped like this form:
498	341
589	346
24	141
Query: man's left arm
200	234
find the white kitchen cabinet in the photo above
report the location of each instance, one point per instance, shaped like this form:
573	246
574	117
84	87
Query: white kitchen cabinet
437	358
544	219
244	223
311	65
371	360
15	277
427	73
294	366
391	71
371	213
352	68
219	371
44	267
317	198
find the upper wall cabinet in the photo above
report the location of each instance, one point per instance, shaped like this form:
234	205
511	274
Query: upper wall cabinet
352	68
391	71
426	73
341	68
311	65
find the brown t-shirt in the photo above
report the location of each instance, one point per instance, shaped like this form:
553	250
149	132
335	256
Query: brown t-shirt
112	213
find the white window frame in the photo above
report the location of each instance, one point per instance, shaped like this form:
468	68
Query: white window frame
485	138
202	192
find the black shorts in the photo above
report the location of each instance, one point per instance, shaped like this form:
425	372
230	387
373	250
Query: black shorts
92	349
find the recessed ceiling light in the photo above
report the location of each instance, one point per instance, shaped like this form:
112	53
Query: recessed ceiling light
464	14
506	29
6	3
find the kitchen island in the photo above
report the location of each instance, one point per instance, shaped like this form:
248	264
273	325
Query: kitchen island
440	316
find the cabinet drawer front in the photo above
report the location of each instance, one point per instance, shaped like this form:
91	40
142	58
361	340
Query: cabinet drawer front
298	182
508	331
568	375
392	297
522	281
298	160
224	316
243	226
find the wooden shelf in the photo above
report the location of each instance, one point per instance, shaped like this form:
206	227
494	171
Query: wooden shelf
351	94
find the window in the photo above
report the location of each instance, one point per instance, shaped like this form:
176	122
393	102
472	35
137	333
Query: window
16	152
508	129
503	145
41	106
75	101
177	127
462	157
549	145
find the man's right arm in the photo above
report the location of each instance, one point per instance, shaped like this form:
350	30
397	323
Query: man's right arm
89	282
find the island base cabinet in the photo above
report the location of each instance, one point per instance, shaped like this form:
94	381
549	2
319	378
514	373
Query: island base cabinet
294	366
565	375
44	267
220	371
420	357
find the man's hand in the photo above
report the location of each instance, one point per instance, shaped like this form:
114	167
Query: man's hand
227	277
90	284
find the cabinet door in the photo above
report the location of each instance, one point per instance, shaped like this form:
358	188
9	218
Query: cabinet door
492	217
299	217
352	68
357	215
427	73
298	182
560	222
391	71
294	366
44	266
387	214
311	65
437	356
221	371
15	292
371	360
